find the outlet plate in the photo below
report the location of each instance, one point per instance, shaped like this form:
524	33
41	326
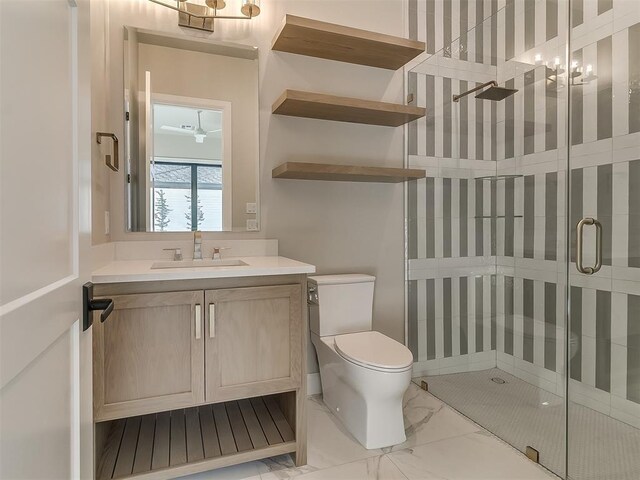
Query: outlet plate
251	208
252	225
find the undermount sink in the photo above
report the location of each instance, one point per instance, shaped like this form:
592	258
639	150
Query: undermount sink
199	263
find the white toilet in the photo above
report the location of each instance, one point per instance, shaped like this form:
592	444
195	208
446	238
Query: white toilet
364	374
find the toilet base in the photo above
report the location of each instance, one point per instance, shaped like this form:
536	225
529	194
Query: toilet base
368	402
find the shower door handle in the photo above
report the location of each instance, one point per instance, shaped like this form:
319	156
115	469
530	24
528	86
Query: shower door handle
579	234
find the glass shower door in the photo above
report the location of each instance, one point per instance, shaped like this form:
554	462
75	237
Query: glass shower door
604	281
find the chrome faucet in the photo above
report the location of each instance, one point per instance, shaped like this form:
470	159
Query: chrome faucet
177	253
197	245
217	252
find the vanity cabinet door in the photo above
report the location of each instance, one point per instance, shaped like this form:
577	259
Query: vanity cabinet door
253	341
149	354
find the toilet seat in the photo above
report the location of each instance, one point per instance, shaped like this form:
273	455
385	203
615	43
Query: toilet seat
374	351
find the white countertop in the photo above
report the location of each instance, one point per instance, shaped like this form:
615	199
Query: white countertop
141	271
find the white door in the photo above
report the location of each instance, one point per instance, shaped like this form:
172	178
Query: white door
45	169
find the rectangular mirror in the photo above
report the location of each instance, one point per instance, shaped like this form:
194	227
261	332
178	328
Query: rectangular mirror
191	133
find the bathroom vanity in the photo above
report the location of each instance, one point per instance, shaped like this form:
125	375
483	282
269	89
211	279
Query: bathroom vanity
201	364
199	367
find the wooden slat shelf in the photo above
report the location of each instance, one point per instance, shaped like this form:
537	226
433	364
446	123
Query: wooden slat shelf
295	103
171	444
313	38
345	173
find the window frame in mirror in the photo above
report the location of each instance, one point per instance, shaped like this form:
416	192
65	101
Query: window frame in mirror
227	149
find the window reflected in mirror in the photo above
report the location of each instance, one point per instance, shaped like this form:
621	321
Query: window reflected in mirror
186	174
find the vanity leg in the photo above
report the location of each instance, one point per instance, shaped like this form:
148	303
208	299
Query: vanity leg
301	394
300	456
294	408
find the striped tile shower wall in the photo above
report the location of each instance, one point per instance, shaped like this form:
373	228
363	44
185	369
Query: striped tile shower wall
605	358
456	323
451	218
438	24
531	217
519	248
464	130
530	335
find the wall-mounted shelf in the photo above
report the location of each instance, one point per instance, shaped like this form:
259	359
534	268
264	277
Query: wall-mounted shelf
495	178
305	36
295	103
345	173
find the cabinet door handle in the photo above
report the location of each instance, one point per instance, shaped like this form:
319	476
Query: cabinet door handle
89	304
212	320
198	319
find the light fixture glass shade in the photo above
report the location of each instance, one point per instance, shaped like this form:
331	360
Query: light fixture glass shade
216	4
250	8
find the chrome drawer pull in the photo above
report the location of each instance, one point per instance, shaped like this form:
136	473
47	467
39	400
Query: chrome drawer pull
198	316
212	320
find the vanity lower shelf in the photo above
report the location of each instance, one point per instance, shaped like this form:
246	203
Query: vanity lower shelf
179	442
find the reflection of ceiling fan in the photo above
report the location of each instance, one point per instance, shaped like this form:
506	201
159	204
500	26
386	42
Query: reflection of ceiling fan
198	133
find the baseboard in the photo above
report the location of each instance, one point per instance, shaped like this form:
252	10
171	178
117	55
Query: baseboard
314	387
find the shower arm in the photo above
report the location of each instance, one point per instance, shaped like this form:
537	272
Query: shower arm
493	83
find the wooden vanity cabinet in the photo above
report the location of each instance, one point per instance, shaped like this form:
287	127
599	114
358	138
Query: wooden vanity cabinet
149	354
253	341
210	370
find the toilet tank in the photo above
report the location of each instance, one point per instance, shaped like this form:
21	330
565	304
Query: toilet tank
345	304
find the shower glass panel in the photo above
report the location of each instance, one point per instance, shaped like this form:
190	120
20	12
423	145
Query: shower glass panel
604	363
502	325
487	274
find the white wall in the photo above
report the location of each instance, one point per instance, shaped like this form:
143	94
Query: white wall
339	227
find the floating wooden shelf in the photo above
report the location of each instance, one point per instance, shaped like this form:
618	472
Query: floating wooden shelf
305	36
180	442
345	173
295	103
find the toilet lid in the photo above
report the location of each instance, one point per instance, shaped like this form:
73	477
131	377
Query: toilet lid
373	350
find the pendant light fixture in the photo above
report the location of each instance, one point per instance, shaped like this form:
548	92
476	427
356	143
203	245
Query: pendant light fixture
202	16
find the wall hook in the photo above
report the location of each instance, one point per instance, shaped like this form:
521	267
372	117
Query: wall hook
115	165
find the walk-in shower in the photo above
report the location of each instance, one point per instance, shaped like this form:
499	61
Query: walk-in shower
515	320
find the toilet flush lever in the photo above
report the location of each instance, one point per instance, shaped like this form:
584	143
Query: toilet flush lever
312	295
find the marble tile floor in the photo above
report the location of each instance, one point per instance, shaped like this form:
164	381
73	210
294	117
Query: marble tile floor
600	447
441	444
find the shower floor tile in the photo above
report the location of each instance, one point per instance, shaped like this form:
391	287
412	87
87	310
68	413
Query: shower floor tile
601	447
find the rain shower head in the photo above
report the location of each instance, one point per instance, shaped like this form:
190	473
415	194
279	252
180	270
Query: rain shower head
493	93
496	94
